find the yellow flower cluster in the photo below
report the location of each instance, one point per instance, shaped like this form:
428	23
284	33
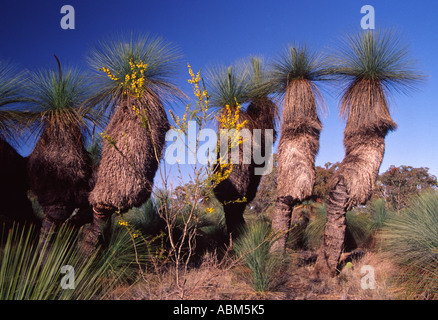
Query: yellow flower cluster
222	174
109	74
123	223
209	210
195	82
237	200
181	123
201	110
229	117
108	138
136	110
135	80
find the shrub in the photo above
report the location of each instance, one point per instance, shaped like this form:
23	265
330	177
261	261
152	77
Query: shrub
357	232
411	240
32	271
253	247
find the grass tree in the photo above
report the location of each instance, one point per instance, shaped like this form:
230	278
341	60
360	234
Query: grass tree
230	88
14	183
264	114
371	65
59	167
228	91
133	77
294	76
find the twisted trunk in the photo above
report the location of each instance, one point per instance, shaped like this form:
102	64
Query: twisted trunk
350	185
334	234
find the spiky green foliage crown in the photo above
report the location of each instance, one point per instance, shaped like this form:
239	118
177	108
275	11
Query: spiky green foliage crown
375	63
115	59
58	99
227	85
11	83
297	62
257	78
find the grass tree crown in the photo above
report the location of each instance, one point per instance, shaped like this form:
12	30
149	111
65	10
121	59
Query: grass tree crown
11	83
297	62
132	67
294	75
57	100
227	85
370	66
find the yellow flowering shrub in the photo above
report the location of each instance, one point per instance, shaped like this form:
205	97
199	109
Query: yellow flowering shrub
200	113
228	120
133	81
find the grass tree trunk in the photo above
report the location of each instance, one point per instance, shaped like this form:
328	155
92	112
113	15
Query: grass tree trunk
350	185
370	65
60	175
132	148
15	205
299	144
233	191
244	180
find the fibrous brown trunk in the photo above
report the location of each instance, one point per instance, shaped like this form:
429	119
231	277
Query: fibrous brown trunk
59	170
233	192
14	184
130	159
350	185
281	221
299	144
96	233
243	180
334	235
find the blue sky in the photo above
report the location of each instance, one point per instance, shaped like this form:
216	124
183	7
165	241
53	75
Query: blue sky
221	32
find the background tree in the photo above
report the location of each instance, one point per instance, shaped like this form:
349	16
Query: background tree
371	65
293	77
399	184
321	188
133	77
59	166
13	176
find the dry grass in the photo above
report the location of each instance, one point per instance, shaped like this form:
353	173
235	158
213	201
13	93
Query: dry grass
226	281
348	283
212	280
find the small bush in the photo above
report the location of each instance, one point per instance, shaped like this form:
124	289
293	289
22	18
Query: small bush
253	247
357	231
411	240
32	271
379	214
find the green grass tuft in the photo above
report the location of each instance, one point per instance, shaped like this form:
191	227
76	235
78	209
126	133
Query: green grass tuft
253	247
411	240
